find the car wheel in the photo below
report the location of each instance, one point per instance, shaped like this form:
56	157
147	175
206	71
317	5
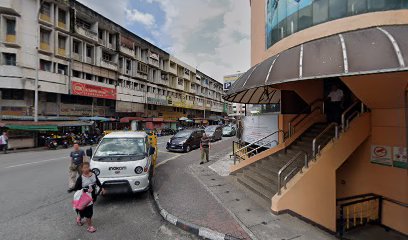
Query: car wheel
188	148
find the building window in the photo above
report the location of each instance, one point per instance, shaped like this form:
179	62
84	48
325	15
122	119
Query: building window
110	38
51	97
76	74
62	16
320	11
45	65
9	59
81	23
12	94
76	46
106	57
45	36
45	9
89	51
62	69
88	76
61	42
100	34
180	82
10	26
142	68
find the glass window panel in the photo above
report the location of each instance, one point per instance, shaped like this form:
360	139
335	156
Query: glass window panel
305	18
292	13
320	11
282	5
337	9
392	4
404	3
356	7
374	5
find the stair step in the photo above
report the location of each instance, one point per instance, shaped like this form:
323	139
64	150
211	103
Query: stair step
268	170
265	175
259	190
254	177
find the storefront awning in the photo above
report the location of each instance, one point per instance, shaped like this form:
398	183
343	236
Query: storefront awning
42	128
368	51
101	119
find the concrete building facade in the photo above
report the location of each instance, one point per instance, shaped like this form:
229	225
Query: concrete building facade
90	66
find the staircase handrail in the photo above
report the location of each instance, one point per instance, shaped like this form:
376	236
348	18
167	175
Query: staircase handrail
350	118
328	128
291	126
253	150
351	107
253	143
290	162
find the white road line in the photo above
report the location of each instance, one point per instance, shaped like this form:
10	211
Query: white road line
167	160
32	163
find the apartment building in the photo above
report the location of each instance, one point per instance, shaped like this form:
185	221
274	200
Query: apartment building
90	66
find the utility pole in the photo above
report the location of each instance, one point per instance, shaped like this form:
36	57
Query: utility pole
37	63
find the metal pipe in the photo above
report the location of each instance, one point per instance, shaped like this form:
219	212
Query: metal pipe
362	107
336	132
258	141
314	147
306	161
285	180
283	169
343	115
290	129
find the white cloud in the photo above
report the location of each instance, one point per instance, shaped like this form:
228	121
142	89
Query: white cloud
135	15
210	34
114	11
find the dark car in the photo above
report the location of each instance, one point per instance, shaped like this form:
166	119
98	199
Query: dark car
214	132
185	140
229	131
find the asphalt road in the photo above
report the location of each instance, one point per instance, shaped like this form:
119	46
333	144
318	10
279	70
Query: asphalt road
34	203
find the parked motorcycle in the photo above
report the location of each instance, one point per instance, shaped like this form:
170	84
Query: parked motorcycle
51	143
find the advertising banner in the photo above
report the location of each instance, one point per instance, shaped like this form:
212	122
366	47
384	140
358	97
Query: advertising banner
257	127
89	90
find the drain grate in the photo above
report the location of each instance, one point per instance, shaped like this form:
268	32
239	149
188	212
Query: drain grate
248	210
264	223
237	199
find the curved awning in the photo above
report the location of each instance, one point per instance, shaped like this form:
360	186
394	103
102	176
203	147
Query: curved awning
366	51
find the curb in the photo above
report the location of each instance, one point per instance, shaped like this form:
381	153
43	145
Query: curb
203	232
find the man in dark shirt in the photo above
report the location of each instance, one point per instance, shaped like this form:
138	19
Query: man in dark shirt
77	158
205	148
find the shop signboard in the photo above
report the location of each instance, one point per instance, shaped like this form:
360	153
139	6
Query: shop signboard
89	90
230	79
257	127
157	101
400	157
381	155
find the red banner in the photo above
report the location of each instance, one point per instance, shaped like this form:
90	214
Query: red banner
89	90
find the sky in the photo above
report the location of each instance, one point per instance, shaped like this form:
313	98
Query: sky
212	35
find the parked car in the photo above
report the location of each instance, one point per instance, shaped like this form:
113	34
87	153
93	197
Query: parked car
229	131
214	132
167	132
185	140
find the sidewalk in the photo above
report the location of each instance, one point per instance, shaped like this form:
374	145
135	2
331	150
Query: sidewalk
206	196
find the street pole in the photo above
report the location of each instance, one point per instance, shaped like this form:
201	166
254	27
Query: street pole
37	64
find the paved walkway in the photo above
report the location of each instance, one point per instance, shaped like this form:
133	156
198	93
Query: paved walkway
206	196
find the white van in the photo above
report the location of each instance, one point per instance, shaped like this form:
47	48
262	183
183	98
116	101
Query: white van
123	162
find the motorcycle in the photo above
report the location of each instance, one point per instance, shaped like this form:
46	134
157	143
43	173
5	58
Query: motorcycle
51	143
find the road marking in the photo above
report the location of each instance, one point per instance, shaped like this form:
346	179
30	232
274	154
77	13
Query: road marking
167	160
32	163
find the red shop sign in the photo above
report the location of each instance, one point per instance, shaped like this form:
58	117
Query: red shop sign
89	90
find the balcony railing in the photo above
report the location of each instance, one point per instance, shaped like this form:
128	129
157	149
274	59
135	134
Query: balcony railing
10	38
61	25
61	52
45	17
86	33
44	46
109	65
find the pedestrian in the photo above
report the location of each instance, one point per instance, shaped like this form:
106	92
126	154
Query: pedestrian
4	142
336	97
205	148
77	158
87	182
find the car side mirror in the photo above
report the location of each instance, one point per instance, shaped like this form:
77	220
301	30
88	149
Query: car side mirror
89	152
152	150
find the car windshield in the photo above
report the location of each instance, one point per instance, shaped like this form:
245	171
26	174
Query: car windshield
121	147
182	134
210	129
226	129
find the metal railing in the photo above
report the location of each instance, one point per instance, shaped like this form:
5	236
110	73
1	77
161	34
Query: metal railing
347	111
295	122
294	170
359	210
316	149
244	150
355	114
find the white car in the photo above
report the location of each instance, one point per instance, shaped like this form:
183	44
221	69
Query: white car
123	162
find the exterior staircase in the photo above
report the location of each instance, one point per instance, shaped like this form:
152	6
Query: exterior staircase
261	177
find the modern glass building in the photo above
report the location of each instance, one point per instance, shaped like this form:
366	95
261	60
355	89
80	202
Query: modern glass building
287	17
